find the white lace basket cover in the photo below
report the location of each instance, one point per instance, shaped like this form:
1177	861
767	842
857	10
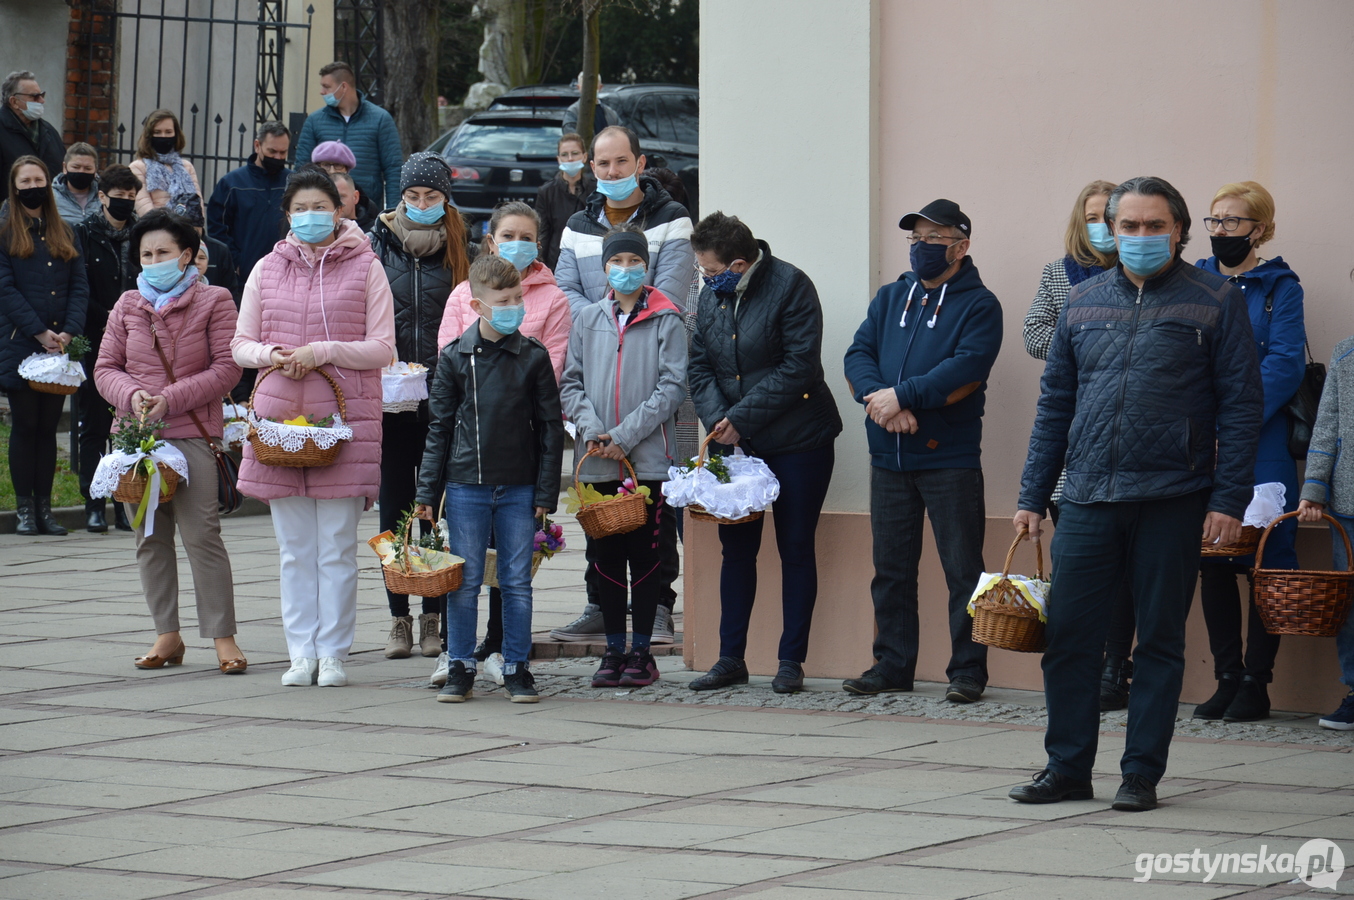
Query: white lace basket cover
293	437
116	464
752	487
52	368
234	427
403	386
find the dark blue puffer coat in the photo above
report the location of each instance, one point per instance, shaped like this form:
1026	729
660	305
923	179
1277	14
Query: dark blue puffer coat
1141	383
37	294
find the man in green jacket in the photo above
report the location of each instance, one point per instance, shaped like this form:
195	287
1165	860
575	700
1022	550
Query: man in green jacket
367	130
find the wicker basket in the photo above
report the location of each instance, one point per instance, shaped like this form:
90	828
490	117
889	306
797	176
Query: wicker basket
310	456
133	483
1244	545
1292	601
491	566
698	512
1002	617
618	515
49	387
399	580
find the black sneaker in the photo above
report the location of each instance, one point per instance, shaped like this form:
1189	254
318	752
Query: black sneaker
1343	718
726	671
521	685
789	678
609	672
487	649
873	681
964	690
460	682
1050	787
1136	794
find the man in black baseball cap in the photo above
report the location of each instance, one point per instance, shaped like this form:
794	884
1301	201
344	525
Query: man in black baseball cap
919	365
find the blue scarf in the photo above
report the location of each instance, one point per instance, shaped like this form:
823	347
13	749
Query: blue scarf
166	172
1077	273
158	299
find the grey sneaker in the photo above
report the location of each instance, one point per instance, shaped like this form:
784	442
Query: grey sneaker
585	628
662	626
521	685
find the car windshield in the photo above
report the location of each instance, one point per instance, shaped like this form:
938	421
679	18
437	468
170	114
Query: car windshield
505	141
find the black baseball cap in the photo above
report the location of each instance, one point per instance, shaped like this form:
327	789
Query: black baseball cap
942	212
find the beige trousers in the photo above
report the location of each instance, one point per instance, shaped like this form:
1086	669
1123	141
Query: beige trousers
192	511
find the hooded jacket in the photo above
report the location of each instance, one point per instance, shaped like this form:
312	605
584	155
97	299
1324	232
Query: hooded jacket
495	418
107	269
1329	476
245	213
548	318
420	287
70	208
194	331
934	348
1149	393
371	134
337	300
666	223
37	294
626	382
16	140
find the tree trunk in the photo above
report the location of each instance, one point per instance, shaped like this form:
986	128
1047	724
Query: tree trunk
592	57
410	53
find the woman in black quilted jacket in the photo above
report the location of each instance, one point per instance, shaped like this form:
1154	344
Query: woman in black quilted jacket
756	376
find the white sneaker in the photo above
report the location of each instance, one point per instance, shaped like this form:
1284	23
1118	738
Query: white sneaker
301	673
439	676
331	672
492	668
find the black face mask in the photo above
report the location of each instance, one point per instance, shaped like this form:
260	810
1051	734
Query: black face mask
32	198
121	208
163	145
80	181
1231	249
272	165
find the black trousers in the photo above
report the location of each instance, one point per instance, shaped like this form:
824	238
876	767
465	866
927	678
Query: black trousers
32	440
402	440
641	552
1119	638
1220	597
94	417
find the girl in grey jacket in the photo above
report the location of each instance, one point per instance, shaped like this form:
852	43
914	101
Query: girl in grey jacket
623	381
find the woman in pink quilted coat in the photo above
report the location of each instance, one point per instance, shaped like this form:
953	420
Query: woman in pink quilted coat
320	300
192	324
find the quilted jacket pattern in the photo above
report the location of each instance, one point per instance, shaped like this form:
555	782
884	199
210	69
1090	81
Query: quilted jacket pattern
37	294
420	287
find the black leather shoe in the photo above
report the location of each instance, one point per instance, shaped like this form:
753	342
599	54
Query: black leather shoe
964	690
95	520
873	681
120	518
1050	787
1114	683
1136	794
789	678
1214	707
726	671
1251	703
47	523
26	512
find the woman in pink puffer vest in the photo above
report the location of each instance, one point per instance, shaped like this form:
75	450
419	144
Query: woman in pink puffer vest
319	300
193	325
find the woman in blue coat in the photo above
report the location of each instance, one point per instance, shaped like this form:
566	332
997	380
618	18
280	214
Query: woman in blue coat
1239	222
43	294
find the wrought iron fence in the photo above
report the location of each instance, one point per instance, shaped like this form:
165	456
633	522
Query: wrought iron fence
359	37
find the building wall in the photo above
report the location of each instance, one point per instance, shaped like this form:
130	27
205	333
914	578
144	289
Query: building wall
33	37
821	130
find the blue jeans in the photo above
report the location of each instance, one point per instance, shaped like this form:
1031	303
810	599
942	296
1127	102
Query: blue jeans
1344	641
474	511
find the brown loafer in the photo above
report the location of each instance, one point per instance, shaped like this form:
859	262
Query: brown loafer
234	666
151	661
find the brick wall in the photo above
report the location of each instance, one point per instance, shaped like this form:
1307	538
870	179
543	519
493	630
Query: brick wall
90	90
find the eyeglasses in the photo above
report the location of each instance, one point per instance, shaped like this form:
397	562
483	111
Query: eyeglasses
708	274
40	96
933	238
1229	224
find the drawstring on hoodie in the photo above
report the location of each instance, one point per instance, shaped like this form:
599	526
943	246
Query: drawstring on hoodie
931	323
323	317
908	305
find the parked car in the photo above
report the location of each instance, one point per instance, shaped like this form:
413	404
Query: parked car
498	155
667	119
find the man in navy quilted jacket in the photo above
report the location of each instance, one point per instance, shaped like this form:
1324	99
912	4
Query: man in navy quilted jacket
1152	401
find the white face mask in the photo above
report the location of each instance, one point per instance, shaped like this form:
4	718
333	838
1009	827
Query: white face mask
35	110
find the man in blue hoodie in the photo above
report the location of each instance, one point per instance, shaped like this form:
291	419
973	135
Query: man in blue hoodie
245	212
919	364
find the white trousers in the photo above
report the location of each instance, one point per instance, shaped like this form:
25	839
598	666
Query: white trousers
317	543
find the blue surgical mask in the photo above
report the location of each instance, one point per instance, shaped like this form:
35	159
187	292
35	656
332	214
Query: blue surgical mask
330	100
1144	255
619	189
507	319
163	275
928	260
571	168
1099	235
725	282
312	227
430	216
520	253
625	279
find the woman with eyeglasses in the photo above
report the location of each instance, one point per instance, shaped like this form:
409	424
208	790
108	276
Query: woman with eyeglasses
167	179
1239	222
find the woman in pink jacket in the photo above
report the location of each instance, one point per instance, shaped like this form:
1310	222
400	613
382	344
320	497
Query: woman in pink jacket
320	300
192	324
514	234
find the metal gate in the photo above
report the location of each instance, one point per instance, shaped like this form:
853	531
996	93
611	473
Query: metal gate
359	40
219	64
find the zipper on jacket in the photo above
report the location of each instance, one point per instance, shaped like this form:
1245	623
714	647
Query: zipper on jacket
1123	387
907	351
620	346
475	382
1199	334
418	313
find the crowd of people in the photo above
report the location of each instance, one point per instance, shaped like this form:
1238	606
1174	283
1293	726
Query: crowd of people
1162	405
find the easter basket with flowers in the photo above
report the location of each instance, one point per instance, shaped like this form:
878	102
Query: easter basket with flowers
143	469
423	566
303	442
548	541
57	373
603	515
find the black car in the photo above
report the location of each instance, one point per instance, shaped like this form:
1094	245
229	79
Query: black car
667	119
498	155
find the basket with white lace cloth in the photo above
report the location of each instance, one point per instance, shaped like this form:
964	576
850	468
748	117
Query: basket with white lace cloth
52	373
403	386
1266	505
146	479
234	424
295	445
744	493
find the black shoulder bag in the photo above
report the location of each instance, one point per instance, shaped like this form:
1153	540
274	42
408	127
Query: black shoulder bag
1301	407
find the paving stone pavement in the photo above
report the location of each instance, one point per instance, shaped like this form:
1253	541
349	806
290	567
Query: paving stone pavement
123	784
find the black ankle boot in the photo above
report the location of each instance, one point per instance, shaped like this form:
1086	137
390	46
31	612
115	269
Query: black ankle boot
96	520
120	517
1251	703
1114	683
47	523
27	516
1214	707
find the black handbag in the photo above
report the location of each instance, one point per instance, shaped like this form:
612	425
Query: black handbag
1301	409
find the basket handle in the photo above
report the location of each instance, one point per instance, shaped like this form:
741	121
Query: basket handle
1038	555
578	485
705	448
1260	550
409	527
338	392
